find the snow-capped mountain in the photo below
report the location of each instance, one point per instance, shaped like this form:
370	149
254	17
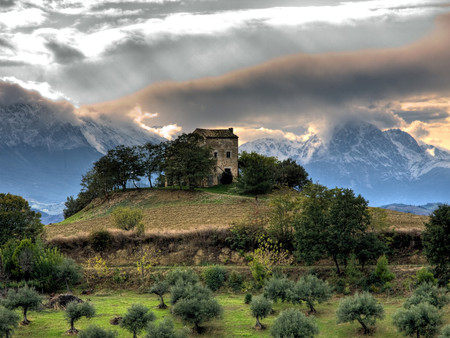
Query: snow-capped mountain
384	166
44	150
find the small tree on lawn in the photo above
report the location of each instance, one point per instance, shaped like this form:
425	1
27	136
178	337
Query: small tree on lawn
294	324
360	307
136	319
9	321
165	329
214	277
159	288
310	289
97	332
25	298
261	308
427	292
75	311
420	320
278	288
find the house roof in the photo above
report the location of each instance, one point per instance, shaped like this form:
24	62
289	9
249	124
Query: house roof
216	133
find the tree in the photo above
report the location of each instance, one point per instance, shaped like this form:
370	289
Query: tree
360	307
17	220
9	321
261	308
68	272
25	298
196	306
214	277
310	289
188	161
291	174
369	248
294	324
420	320
136	319
75	311
428	293
278	288
94	331
382	272
256	173
159	288
185	276
436	241
165	329
127	218
152	157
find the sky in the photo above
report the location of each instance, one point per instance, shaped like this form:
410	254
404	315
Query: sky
268	68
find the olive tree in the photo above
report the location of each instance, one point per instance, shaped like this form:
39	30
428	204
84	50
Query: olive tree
278	288
310	289
294	324
94	331
9	321
136	319
360	307
422	319
159	288
261	308
427	292
165	329
25	298
75	311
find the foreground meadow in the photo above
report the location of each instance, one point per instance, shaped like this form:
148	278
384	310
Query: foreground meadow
235	322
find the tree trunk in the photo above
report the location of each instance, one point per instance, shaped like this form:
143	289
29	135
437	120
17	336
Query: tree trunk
161	305
311	307
134	335
67	286
150	181
366	330
258	324
25	319
417	334
337	265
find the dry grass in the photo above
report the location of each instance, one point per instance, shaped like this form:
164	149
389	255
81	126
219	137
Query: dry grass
401	221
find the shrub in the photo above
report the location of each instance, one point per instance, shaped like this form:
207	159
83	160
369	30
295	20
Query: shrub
100	240
165	329
244	234
294	324
93	331
25	298
429	293
180	291
445	333
382	271
421	319
235	281
310	289
136	319
214	277
186	276
278	288
74	311
9	321
261	308
425	276
360	307
126	218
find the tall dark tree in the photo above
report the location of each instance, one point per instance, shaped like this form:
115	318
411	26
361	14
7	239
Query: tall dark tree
152	157
291	174
17	220
256	173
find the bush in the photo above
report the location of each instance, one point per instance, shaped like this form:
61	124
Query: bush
360	307
248	298
425	276
165	329
294	324
126	218
421	320
74	311
382	271
445	333
180	291
136	319
25	298
261	308
278	288
214	277
244	235
235	281
9	321
310	289
100	240
93	331
185	276
429	293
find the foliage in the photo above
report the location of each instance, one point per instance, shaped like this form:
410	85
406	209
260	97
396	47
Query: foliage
75	311
360	307
127	218
181	290
100	240
159	288
94	331
256	173
235	281
294	324
136	319
165	329
152	157
445	332
289	173
436	241
278	288
382	274
68	272
17	220
425	276
429	293
248	298
186	276
214	277
422	319
146	261
310	289
95	267
196	306
244	234
74	205
9	321
369	248
261	308
25	298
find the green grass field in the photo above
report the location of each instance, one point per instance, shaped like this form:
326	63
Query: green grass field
236	320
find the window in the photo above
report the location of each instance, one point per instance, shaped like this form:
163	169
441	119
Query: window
215	154
228	154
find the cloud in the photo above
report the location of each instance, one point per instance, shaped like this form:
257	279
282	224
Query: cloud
43	88
63	53
22	17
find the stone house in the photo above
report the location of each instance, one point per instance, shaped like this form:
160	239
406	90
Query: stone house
224	145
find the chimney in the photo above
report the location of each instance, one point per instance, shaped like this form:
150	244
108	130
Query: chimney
231	130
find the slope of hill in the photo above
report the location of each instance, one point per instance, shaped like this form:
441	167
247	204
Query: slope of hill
384	166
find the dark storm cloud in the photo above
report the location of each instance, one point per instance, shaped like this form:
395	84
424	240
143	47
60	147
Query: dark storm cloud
301	88
425	115
63	53
5	44
6	3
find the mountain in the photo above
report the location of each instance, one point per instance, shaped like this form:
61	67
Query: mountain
424	210
44	152
384	166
